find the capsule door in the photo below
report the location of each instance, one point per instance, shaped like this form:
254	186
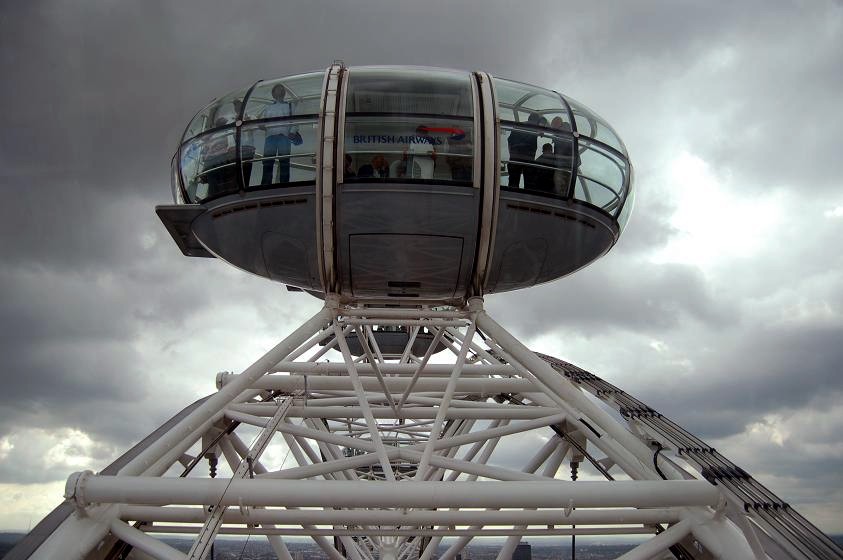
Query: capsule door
406	200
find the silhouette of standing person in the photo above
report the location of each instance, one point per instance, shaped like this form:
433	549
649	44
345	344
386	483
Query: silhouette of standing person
563	149
540	177
522	148
278	138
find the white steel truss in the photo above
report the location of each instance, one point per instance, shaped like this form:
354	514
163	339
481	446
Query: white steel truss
382	455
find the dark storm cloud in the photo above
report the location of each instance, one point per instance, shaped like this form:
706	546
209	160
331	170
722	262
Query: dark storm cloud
777	368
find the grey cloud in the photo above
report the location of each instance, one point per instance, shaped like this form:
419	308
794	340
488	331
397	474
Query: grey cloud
624	293
751	375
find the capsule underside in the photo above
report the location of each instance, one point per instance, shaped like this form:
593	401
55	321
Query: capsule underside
399	184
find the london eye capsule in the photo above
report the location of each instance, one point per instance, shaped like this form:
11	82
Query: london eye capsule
399	184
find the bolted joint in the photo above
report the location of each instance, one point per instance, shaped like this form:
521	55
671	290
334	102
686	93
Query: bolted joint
74	488
220	377
475	304
332	301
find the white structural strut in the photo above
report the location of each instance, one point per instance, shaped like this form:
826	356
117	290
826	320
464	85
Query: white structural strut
203	544
462	432
303	493
408	517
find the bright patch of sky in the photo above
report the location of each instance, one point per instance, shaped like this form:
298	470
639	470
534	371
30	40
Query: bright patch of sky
713	221
835	212
26	505
6	447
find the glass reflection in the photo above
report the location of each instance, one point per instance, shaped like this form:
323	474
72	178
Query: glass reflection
605	173
301	96
628	205
591	125
219	112
408	148
175	183
403	125
276	153
209	165
523	103
539	161
409	91
598	194
600	165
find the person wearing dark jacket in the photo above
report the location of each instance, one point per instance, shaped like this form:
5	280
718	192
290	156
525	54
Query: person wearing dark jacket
522	148
541	178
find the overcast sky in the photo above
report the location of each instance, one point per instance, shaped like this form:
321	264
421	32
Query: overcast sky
721	306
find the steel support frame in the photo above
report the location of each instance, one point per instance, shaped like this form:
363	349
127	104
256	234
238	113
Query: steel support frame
433	437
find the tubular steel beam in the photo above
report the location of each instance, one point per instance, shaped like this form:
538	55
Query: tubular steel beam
88	488
404	517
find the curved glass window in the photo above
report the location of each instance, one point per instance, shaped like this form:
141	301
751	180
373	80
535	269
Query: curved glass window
628	205
285	97
589	124
405	124
219	112
523	103
409	91
534	160
536	144
601	177
175	183
280	152
209	165
393	147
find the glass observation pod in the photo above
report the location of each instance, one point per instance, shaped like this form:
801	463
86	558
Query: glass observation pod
399	183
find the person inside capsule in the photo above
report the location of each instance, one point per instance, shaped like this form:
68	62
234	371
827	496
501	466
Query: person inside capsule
278	142
541	176
378	168
522	148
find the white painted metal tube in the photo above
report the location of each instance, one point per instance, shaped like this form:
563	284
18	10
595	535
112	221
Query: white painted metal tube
397	313
323	349
391	532
339	368
502	412
403	322
420	366
486	471
361	337
659	543
405	517
240	449
365	409
409	453
170	456
89	488
77	535
565	390
144	542
414	332
225	395
444	406
721	537
499	431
